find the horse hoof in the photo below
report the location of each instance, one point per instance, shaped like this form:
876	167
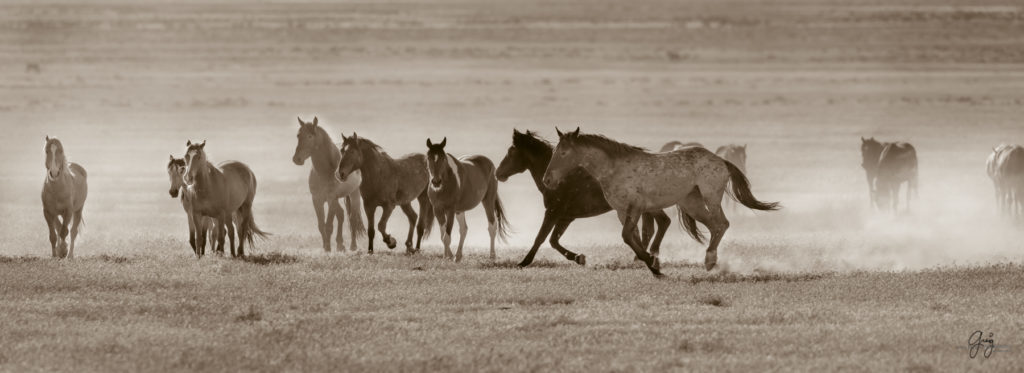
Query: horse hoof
458	258
709	264
581	259
392	243
523	264
655	264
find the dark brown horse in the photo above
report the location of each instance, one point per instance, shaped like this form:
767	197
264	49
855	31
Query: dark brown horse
64	192
221	192
315	143
896	165
388	183
578	197
176	174
459	185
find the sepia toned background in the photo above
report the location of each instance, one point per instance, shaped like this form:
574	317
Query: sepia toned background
123	84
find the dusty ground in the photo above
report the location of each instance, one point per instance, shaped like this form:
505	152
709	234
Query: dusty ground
825	283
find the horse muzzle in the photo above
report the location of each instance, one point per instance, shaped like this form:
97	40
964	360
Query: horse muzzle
298	161
435	182
173	193
551	182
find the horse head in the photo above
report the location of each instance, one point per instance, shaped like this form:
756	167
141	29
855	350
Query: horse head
565	158
308	143
56	161
195	160
176	174
438	163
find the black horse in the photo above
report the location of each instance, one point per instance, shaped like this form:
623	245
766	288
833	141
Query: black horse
579	196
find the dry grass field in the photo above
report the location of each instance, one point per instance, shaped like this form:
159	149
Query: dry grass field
825	284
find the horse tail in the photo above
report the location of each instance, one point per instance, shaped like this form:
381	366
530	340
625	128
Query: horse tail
426	214
248	230
355	218
741	190
690	226
500	219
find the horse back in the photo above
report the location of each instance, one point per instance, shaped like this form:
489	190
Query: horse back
897	158
1011	163
239	182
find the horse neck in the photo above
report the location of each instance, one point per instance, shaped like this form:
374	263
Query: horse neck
375	167
65	173
538	164
206	179
327	156
601	166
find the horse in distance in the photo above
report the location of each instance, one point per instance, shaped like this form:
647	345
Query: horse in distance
388	183
314	142
1003	192
676	145
897	164
219	193
176	174
635	181
870	152
578	197
459	185
65	190
1011	172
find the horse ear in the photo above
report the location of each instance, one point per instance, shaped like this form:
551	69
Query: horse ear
577	132
188	143
314	121
560	134
354	135
47	138
300	121
429	144
862	139
203	145
444	141
171	155
515	132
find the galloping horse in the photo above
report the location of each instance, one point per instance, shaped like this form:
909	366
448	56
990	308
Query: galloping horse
219	193
1004	191
870	152
387	183
325	188
459	185
1011	173
579	196
897	164
64	192
635	181
176	173
676	145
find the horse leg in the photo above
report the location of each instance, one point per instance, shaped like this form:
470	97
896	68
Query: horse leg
629	220
51	225
192	232
463	229
411	214
708	211
370	211
333	210
76	221
446	219
340	214
352	202
318	207
545	229
560	228
426	214
382	226
663	223
62	248
646	229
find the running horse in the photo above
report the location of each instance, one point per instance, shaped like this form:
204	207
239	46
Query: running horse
387	183
176	174
315	143
578	197
635	181
219	193
64	192
897	164
1010	168
459	185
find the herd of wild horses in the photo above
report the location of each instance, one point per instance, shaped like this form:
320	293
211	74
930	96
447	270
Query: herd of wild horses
583	175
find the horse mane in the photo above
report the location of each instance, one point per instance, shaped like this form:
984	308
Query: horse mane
611	147
365	143
531	142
